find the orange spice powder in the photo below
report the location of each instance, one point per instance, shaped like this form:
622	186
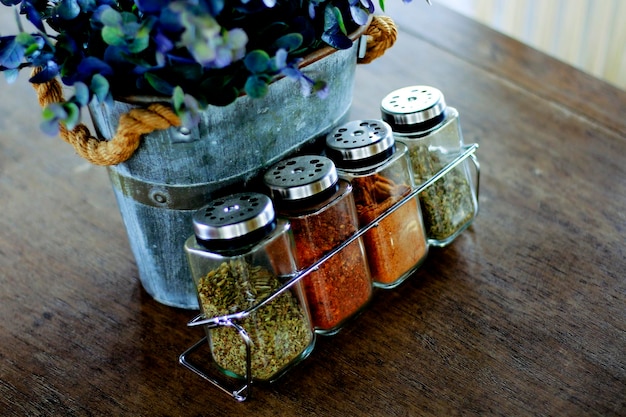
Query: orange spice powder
397	244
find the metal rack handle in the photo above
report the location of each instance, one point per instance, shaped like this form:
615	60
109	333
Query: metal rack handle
474	160
240	393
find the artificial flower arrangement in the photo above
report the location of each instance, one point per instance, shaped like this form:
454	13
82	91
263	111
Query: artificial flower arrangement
194	52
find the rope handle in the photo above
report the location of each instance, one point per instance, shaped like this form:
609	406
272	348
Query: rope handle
381	35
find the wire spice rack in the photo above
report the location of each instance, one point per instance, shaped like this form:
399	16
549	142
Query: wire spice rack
242	392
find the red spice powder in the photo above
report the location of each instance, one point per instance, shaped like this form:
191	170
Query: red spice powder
342	285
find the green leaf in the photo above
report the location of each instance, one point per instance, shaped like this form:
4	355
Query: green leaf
334	29
178	98
333	20
139	43
73	115
10	75
111	17
158	83
31	49
237	38
320	88
68	9
257	61
81	93
289	42
49	114
57	111
256	86
24	39
202	51
100	87
128	18
113	36
12	54
49	127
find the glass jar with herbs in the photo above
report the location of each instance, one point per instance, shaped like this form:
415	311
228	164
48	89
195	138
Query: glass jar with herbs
379	170
321	209
240	255
419	118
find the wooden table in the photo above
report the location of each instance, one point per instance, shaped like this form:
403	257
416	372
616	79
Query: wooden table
524	314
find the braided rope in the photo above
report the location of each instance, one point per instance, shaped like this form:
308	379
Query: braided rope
381	35
132	126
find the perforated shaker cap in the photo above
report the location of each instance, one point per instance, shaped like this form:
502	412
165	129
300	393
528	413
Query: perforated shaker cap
360	141
234	217
301	177
418	107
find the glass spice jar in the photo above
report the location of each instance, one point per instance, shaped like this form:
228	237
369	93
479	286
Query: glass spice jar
419	118
322	213
379	170
241	254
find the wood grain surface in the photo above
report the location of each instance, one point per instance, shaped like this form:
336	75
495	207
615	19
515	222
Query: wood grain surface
524	314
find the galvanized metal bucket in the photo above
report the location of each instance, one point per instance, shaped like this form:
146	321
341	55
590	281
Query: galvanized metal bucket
175	171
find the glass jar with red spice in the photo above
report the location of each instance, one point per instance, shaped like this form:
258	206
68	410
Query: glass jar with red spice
379	170
240	255
320	207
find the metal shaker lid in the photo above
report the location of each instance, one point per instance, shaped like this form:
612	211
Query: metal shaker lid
360	140
233	217
413	106
301	177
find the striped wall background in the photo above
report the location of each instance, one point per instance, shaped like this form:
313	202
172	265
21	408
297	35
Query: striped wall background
588	34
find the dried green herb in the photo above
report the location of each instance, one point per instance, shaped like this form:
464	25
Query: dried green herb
448	205
280	330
